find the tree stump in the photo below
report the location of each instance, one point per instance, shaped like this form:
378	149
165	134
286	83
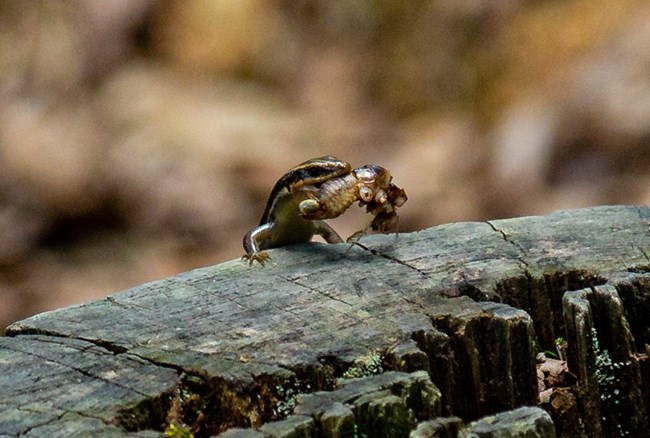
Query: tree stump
434	333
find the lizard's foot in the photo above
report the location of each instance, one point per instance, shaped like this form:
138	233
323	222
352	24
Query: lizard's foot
260	257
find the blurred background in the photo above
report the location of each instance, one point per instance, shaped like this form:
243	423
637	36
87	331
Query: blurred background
141	138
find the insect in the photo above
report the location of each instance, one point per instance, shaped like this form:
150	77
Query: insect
371	185
385	212
318	189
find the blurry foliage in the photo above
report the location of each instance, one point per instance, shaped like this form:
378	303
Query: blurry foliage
139	138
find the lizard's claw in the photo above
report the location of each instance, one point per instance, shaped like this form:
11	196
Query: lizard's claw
260	257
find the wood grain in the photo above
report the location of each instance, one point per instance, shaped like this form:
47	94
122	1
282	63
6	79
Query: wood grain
459	310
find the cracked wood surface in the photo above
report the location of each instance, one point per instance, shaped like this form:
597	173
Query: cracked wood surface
461	301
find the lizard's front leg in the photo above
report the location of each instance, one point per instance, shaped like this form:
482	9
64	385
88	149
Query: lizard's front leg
252	244
326	232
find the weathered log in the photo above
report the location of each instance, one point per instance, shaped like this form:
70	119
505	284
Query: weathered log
412	334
